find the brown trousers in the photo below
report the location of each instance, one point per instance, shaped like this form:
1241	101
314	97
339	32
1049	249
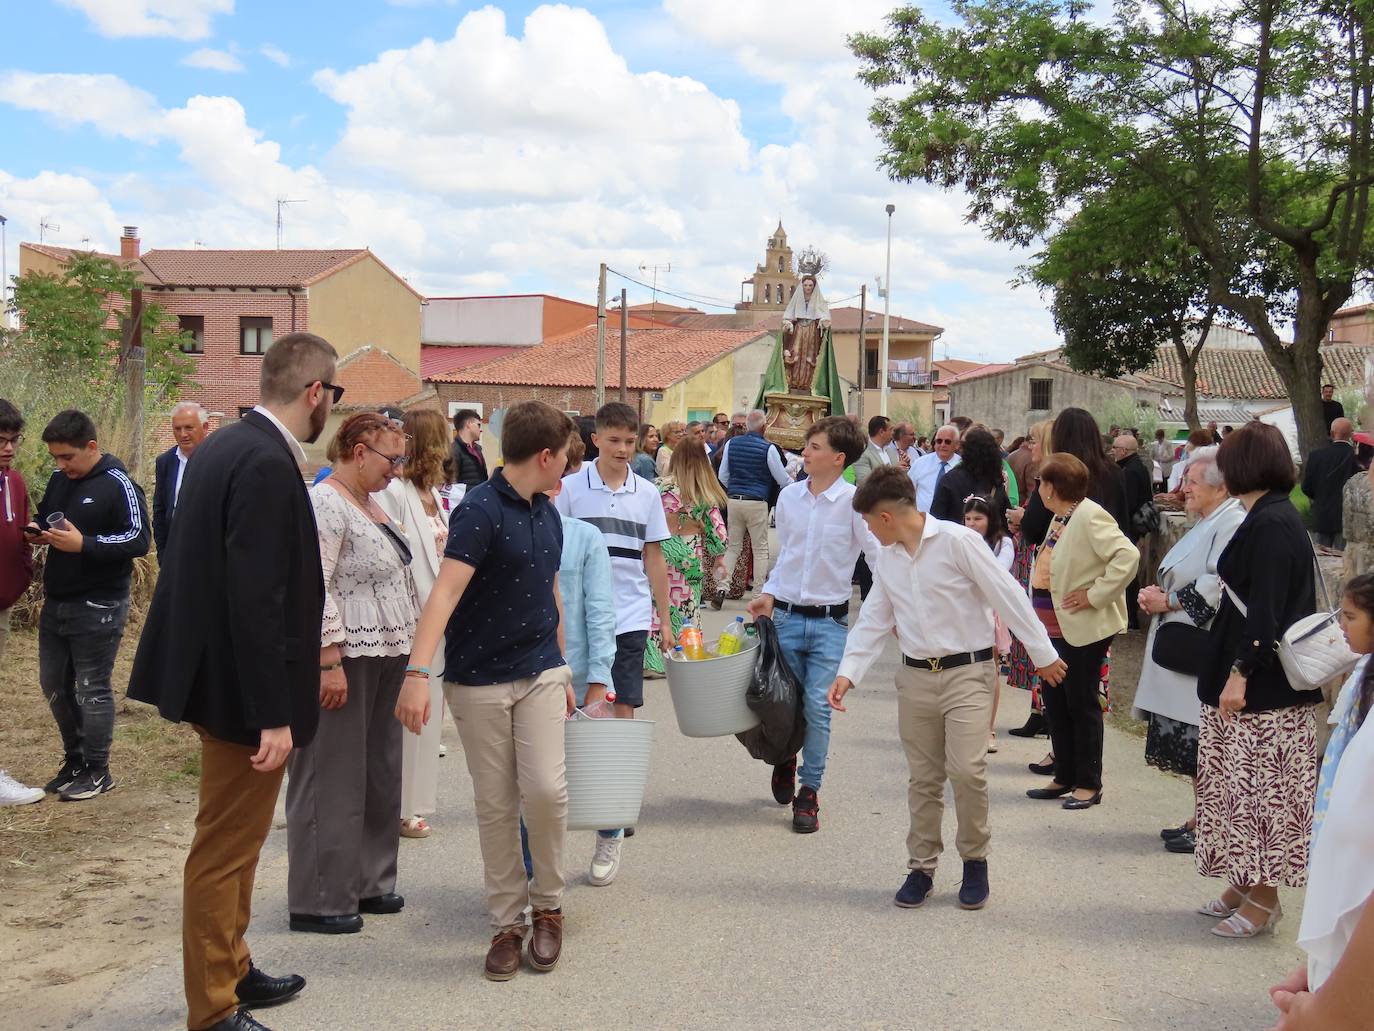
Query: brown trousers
235	814
943	720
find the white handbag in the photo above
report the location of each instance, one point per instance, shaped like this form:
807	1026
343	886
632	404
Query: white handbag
1312	651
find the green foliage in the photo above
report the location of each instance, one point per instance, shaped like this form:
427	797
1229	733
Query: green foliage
1122	411
922	422
1250	123
77	320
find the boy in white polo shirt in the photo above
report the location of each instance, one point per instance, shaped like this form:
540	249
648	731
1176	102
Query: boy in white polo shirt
628	511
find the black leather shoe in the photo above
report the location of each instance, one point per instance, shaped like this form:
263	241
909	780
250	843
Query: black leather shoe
1184	844
350	923
240	1021
1035	726
382	904
1043	769
1084	803
1048	792
973	893
257	989
1169	833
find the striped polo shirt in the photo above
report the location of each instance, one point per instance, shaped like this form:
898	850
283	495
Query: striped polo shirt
628	518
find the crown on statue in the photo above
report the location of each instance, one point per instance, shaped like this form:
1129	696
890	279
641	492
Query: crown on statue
812	262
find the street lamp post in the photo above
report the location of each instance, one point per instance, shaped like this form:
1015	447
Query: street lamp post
887	311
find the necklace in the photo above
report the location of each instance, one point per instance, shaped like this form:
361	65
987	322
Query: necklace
363	499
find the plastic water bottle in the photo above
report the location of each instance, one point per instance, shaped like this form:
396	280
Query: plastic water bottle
732	637
692	645
678	654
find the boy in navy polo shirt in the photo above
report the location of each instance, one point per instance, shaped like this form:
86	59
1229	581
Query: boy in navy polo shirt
628	511
496	599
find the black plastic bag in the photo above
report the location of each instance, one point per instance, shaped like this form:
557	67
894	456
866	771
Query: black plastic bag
776	696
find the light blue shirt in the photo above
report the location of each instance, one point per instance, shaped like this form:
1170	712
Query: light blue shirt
587	590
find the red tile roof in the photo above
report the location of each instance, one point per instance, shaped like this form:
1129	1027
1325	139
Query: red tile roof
1246	373
440	359
287	268
656	359
846	320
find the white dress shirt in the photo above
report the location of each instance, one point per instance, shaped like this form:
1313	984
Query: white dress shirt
941	601
924	472
181	471
297	451
820	537
776	468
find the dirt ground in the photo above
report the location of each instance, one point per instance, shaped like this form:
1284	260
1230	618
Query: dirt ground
91	889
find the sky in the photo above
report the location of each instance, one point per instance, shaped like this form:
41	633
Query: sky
506	148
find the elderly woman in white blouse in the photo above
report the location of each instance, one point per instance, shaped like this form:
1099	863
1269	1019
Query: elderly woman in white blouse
1183	603
343	799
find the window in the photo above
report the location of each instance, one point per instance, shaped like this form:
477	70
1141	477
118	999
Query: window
767	293
871	368
195	326
779	262
1040	395
255	335
791	290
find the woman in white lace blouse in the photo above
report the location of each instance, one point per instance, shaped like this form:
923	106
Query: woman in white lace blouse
343	799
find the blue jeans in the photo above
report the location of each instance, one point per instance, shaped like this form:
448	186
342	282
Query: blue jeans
814	646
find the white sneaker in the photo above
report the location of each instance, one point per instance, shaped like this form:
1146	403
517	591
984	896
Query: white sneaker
605	861
14	793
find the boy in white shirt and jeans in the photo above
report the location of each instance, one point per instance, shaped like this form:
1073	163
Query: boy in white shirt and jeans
628	511
937	584
807	594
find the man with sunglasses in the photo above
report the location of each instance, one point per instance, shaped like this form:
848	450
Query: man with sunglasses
469	463
928	470
230	646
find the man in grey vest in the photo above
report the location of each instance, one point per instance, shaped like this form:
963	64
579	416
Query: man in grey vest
748	471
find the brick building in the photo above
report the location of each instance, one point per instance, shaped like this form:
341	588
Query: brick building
234	303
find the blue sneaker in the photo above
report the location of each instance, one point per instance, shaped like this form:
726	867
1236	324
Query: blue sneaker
914	891
973	893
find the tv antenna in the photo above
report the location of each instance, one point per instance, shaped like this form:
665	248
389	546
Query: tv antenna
45	227
665	268
281	203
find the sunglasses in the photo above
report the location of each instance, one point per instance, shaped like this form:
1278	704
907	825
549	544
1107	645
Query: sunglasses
398	462
338	390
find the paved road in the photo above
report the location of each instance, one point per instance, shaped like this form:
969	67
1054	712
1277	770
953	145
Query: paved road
723	918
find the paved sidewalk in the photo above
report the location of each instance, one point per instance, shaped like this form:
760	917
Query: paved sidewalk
723	918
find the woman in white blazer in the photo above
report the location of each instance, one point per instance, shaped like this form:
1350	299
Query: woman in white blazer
413	501
1188	592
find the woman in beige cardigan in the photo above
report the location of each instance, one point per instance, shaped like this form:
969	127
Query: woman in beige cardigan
1078	589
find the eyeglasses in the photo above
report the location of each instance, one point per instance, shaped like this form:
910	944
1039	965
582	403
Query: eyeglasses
396	463
338	390
944	440
16	440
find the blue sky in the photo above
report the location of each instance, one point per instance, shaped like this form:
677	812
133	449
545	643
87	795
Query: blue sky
488	148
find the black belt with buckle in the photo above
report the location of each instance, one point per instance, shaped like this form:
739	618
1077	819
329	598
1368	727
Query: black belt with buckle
945	662
840	611
744	497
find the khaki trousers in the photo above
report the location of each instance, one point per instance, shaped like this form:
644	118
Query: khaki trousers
753	517
512	737
235	814
943	719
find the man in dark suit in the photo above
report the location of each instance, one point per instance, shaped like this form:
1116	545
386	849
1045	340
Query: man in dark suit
1324	476
190	424
1331	408
230	646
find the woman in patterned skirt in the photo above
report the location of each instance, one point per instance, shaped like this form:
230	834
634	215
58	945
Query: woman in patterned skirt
692	500
1257	745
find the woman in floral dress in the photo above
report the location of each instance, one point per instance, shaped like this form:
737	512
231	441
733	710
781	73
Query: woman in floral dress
692	500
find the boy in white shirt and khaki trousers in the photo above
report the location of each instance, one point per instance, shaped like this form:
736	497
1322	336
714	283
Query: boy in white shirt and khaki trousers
937	584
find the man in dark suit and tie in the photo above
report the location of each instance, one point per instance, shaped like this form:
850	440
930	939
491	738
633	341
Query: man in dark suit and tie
230	647
190	424
1324	476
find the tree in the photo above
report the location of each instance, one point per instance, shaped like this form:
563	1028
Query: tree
1255	119
79	319
1124	283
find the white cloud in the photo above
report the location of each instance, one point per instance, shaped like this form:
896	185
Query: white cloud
180	19
275	54
109	103
212	60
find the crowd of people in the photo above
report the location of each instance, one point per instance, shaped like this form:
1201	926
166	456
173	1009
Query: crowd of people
509	594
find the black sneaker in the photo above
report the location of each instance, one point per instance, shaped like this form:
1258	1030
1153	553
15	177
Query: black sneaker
973	893
805	810
88	785
717	600
785	781
914	890
71	769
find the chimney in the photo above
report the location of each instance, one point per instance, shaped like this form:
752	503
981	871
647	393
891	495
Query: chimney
128	243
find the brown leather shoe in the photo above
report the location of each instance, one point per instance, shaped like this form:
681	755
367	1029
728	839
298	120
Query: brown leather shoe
546	942
503	958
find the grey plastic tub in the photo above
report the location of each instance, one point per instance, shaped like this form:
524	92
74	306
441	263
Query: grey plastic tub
608	766
708	694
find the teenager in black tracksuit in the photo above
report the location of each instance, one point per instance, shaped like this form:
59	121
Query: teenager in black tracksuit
86	579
